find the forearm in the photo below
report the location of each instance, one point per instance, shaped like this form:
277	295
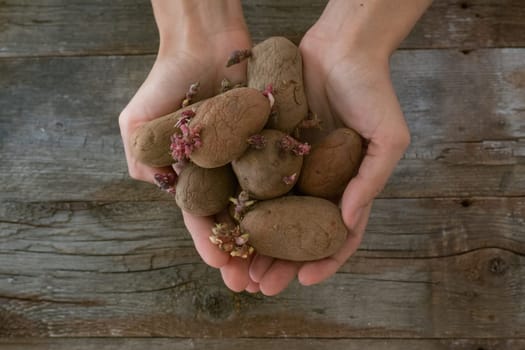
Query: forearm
376	26
178	19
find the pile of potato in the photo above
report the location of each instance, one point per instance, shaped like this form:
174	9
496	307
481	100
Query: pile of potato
239	154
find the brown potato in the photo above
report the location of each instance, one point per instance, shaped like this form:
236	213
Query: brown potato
277	61
226	121
205	192
150	143
331	164
269	172
297	228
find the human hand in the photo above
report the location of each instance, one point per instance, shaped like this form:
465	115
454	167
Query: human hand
196	39
348	84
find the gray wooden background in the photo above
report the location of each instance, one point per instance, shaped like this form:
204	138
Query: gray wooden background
90	259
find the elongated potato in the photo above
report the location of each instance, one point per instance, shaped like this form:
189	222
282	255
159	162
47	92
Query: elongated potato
205	192
297	228
150	143
277	62
331	163
225	122
269	172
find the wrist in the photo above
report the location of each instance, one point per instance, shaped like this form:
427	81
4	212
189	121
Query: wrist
374	28
178	21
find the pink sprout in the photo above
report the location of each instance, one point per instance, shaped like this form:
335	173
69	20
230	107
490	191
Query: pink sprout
268	92
238	56
289	144
290	180
166	182
192	91
257	141
185	117
184	143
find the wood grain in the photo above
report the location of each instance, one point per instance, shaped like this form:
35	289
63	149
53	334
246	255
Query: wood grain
261	344
479	293
58	126
88	231
126	27
95	260
422	298
437	268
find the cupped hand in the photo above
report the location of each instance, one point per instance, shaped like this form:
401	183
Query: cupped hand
185	57
349	88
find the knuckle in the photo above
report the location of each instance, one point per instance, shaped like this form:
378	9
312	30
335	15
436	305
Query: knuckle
123	119
401	141
135	174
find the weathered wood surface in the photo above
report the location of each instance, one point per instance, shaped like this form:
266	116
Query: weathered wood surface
399	228
58	125
129	269
260	344
478	293
87	252
75	27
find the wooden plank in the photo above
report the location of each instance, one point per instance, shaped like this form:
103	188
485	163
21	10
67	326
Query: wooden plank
59	129
260	344
425	228
58	126
479	293
469	25
60	27
129	269
84	232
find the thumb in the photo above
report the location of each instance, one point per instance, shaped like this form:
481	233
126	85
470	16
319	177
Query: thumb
382	155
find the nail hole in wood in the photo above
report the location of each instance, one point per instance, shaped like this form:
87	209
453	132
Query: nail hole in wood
464	5
465	203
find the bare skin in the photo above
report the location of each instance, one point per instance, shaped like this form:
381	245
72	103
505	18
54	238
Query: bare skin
347	79
196	39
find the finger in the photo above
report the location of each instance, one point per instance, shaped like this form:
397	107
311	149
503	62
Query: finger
164	89
252	287
317	271
260	264
278	276
382	155
235	274
161	93
200	229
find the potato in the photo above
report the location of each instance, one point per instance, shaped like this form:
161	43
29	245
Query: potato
269	172
205	192
226	121
297	228
331	163
277	61
150	143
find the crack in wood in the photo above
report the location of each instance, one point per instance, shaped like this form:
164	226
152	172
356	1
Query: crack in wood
40	299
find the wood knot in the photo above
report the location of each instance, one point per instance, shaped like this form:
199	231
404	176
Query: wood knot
218	305
465	203
498	266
